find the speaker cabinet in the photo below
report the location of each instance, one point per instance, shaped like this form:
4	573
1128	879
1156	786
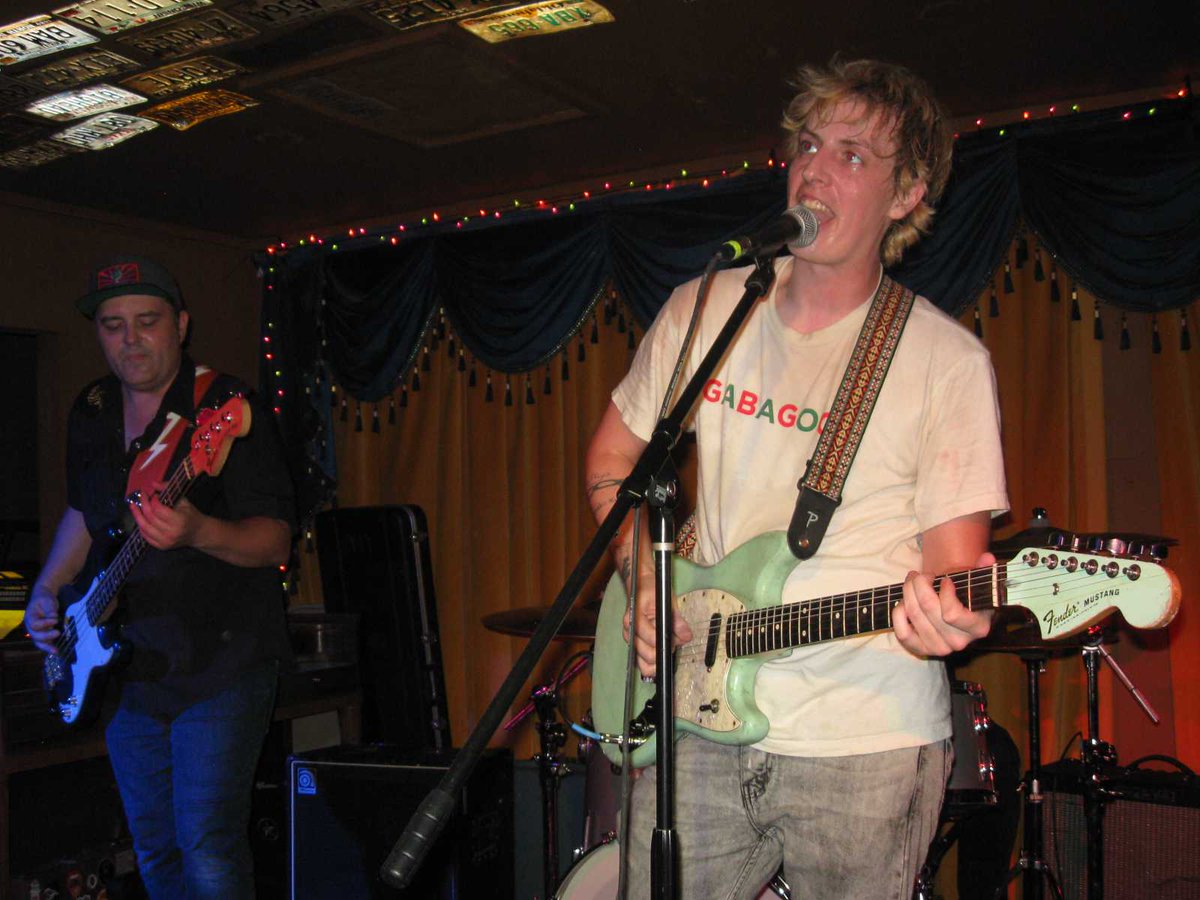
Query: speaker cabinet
375	562
349	805
1151	830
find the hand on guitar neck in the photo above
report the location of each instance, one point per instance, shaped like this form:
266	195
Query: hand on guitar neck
933	621
166	527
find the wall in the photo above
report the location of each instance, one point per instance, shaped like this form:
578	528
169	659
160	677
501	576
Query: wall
49	251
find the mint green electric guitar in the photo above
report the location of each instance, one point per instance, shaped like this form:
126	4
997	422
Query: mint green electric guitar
738	623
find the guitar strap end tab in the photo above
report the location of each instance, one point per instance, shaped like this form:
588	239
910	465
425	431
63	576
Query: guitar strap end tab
810	521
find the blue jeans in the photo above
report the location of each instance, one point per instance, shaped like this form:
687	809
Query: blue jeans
852	827
186	784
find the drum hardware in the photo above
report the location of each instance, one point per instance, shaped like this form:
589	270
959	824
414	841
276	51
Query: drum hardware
972	783
600	800
1030	860
552	735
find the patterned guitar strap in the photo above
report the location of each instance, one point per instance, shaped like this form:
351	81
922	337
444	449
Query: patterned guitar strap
150	466
825	475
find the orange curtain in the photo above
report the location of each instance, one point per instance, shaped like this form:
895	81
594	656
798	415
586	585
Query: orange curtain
1176	405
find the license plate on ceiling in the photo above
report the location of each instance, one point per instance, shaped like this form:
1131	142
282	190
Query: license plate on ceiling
112	16
406	14
39	36
67	73
16	129
202	31
88	101
276	13
16	93
537	19
104	131
181	76
193	109
35	154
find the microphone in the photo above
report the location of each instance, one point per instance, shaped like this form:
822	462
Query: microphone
797	228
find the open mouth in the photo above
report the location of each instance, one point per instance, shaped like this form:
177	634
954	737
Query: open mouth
823	212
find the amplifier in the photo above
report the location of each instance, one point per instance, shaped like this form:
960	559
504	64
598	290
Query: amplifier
349	805
1151	829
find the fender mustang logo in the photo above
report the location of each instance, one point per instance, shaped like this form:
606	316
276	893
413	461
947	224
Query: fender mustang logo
1055	619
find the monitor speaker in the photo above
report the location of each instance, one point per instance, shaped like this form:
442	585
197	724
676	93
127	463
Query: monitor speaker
349	806
1151	833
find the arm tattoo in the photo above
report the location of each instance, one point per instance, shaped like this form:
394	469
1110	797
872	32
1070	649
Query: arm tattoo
625	565
601	483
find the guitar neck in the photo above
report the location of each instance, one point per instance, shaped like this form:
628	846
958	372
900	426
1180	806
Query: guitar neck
847	615
132	550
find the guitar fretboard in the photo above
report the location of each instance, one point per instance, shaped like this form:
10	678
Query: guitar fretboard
131	551
846	615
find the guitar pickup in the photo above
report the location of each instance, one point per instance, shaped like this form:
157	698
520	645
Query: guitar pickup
710	648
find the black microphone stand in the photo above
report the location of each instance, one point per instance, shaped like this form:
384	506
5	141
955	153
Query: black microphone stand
662	498
434	812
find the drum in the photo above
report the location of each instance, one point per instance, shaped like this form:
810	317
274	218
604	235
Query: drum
972	783
601	798
597	875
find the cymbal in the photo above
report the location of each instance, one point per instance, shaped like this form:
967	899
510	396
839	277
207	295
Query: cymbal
1041	535
579	625
1036	536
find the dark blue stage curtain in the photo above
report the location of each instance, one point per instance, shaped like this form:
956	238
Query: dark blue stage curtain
1116	202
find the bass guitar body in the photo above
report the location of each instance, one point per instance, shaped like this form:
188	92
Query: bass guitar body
75	680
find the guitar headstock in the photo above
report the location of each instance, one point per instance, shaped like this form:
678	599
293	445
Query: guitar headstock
215	432
1068	588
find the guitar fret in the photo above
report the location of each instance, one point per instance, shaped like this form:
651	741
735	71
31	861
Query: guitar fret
863	611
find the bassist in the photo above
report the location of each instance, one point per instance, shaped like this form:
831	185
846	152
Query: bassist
202	609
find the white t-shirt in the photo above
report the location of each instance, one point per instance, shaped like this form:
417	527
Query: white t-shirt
930	453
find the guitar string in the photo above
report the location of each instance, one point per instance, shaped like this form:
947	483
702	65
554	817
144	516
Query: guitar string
125	559
822	609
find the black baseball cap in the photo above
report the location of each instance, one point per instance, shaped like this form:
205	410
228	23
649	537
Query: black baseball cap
129	275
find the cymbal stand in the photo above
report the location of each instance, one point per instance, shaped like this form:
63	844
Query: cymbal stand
1030	860
1099	756
551	737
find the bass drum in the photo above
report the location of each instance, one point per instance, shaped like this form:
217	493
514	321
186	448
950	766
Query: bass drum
597	875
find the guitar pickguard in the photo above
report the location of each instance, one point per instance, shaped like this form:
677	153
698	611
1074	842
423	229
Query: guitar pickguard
701	669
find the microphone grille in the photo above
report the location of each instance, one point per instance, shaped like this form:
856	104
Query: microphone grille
808	226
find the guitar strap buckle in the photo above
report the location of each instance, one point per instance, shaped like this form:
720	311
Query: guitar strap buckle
809	521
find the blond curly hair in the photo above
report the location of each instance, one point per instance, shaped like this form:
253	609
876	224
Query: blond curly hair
908	109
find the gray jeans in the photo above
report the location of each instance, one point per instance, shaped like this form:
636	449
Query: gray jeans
853	827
